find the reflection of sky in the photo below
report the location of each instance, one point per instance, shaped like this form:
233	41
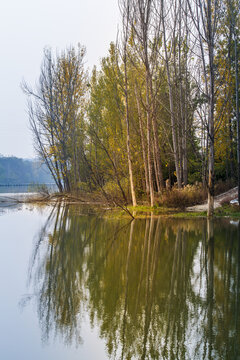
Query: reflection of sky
23	189
198	279
20	334
196	323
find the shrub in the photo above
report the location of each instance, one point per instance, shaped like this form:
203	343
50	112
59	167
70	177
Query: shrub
223	186
82	187
112	189
39	188
181	198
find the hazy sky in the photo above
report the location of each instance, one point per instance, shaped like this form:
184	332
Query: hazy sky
26	27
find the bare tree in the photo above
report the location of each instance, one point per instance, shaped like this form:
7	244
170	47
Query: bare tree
163	11
125	10
56	109
234	10
145	35
205	16
142	136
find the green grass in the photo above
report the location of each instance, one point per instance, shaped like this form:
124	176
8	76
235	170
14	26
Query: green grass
228	210
189	214
142	211
156	209
224	211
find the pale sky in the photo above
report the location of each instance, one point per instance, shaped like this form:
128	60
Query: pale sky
26	27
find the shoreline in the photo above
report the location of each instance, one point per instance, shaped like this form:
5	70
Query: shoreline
138	212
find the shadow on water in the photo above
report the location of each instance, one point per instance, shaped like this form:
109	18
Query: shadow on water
154	288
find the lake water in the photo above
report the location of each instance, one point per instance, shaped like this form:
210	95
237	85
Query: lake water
78	285
14	189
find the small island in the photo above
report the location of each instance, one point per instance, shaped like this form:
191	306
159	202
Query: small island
158	122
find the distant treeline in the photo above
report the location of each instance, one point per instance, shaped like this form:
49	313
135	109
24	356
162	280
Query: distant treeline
15	171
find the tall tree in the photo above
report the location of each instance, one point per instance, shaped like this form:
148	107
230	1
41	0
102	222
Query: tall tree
125	10
205	17
56	112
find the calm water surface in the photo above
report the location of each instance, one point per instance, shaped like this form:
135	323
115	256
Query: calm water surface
75	285
12	189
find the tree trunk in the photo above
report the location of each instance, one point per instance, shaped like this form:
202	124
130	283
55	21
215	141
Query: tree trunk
149	144
237	109
173	120
211	112
142	141
159	174
134	201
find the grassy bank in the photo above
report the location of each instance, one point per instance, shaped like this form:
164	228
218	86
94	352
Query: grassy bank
140	211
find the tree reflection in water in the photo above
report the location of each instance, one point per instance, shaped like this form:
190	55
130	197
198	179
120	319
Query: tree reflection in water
155	288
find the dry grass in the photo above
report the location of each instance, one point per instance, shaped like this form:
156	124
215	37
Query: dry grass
182	198
223	186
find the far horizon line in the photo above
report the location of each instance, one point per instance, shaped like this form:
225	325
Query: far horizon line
19	157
